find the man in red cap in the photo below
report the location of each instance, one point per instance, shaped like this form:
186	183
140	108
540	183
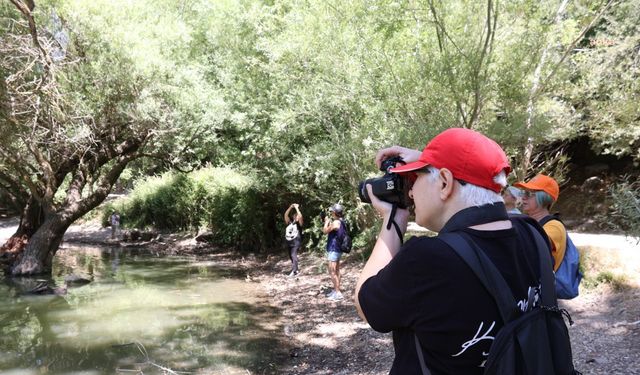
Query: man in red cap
540	193
439	312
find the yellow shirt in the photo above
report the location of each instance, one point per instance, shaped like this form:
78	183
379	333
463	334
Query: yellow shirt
558	236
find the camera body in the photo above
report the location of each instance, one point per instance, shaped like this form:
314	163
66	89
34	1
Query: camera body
391	187
323	215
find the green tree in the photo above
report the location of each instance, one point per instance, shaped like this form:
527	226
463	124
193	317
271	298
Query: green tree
298	94
82	105
604	82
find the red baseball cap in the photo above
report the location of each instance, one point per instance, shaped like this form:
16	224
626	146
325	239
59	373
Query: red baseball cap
469	155
541	182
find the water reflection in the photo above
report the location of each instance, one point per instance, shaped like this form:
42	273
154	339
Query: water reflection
180	313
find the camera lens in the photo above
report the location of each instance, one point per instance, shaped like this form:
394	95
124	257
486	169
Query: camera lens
390	188
363	193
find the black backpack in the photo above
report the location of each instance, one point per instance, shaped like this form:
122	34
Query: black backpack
534	342
344	239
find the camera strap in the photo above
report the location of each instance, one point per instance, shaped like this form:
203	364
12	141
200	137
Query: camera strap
394	208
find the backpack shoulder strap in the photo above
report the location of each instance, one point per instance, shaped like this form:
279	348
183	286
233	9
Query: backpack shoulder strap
547	279
491	277
548	218
423	364
538	236
485	270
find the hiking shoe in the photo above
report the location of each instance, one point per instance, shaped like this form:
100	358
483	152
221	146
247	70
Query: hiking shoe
294	273
329	293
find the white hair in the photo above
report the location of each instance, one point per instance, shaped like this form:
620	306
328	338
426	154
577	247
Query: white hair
473	195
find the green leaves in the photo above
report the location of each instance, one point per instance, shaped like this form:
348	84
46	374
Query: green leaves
301	94
232	205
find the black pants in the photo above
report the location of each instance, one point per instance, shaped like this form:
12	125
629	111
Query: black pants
294	246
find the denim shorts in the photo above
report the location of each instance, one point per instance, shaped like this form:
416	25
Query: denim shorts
333	256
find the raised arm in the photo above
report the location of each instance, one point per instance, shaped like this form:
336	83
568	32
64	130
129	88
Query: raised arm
299	218
286	214
330	225
387	245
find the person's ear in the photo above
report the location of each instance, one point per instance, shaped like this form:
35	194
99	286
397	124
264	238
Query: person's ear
446	182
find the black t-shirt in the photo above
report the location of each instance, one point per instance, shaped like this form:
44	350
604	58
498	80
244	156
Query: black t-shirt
428	289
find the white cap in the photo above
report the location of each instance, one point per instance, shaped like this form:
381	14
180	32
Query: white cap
515	191
337	208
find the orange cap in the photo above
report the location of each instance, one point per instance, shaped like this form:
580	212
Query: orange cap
541	182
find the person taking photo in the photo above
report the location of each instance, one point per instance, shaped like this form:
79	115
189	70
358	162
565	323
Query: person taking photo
293	235
440	313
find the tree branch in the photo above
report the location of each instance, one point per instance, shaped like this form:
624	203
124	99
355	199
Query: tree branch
25	9
572	46
485	52
441	33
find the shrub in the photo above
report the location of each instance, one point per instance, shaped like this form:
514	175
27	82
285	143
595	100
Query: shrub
626	206
229	203
618	282
598	267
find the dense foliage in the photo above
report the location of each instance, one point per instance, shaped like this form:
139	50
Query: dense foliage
228	203
626	205
298	95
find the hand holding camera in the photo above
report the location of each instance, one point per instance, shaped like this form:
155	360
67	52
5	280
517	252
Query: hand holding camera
407	155
392	188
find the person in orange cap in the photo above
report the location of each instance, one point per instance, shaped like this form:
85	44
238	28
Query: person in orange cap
540	193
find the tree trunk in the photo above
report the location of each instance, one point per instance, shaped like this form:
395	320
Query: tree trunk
43	243
533	93
31	219
37	257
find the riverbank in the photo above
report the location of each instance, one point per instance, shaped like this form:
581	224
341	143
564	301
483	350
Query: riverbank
319	336
326	337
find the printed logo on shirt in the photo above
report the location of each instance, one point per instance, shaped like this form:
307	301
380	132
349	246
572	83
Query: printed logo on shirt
476	339
523	304
488	335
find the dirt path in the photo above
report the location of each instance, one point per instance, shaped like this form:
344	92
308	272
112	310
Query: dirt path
329	338
606	332
7	228
324	337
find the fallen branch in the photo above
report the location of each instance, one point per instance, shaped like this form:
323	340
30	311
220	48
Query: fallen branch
148	361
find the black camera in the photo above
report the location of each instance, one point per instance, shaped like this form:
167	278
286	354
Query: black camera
323	215
391	187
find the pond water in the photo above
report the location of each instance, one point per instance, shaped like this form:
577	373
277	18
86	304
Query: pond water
141	313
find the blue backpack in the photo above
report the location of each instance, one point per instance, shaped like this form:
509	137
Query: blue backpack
568	275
